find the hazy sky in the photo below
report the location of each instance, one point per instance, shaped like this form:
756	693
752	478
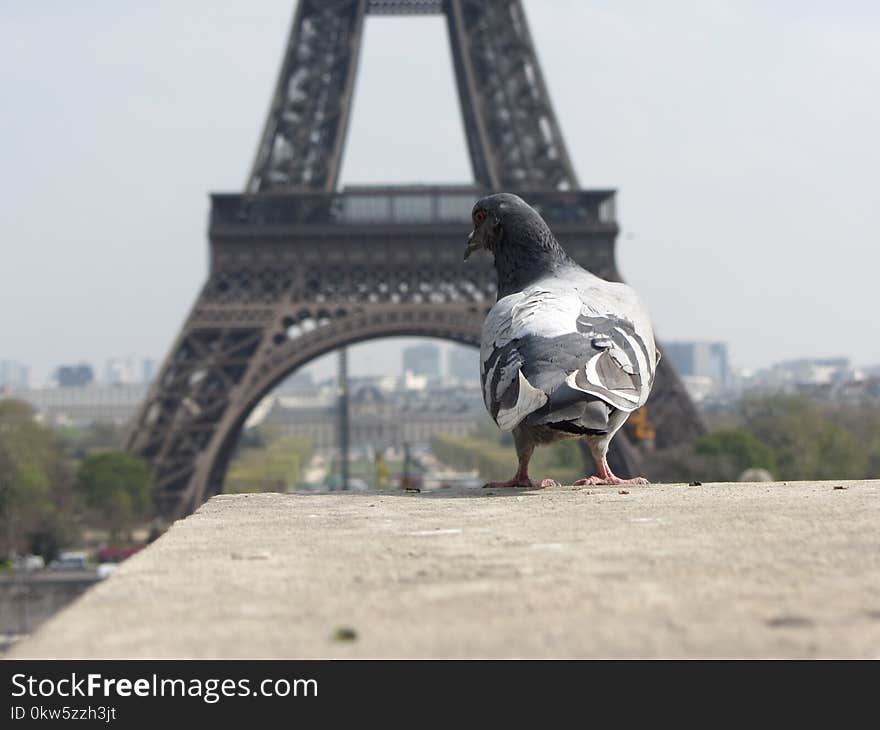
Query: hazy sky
742	137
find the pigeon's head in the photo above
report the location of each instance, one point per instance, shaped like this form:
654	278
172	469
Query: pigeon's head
496	215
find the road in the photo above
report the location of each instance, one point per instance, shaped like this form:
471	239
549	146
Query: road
716	570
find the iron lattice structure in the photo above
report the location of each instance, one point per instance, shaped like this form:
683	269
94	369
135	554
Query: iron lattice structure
298	268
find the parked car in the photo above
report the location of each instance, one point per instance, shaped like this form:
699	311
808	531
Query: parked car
114	554
106	569
29	563
70	561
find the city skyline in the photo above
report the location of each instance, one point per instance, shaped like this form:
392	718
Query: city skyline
366	359
455	361
745	180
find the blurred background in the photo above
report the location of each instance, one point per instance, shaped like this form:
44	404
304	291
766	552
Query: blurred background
741	137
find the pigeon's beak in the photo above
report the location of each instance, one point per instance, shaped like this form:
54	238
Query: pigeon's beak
472	245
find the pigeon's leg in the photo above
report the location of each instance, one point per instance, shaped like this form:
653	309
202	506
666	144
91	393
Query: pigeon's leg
525	447
604	475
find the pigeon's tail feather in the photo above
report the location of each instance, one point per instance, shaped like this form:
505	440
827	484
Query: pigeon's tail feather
576	429
572	411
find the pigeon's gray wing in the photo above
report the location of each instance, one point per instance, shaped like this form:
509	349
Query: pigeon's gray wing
508	395
562	343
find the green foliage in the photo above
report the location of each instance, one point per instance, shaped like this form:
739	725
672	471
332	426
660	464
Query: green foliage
491	460
739	448
116	486
863	421
791	436
35	504
258	437
563	461
805	441
494	459
382	472
273	463
78	442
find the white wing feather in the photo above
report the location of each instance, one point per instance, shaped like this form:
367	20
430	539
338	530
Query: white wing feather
608	313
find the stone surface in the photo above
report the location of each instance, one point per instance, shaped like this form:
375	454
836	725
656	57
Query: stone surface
716	570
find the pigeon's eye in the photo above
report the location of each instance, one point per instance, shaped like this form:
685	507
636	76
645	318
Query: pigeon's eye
479	217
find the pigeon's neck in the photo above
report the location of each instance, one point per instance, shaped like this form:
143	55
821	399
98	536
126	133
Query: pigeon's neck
521	261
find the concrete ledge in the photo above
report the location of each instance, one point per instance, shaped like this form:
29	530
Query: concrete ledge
718	570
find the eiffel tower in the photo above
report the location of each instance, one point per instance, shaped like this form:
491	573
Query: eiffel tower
299	268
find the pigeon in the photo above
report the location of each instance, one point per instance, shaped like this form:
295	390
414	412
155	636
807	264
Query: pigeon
564	353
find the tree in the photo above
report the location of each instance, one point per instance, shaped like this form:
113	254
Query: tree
80	441
116	487
739	448
276	464
862	419
495	460
35	505
805	441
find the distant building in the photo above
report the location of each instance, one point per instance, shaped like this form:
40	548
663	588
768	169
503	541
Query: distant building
700	360
84	405
13	375
299	382
808	371
148	370
74	376
378	418
409	381
129	370
831	380
463	364
422	360
790	375
119	370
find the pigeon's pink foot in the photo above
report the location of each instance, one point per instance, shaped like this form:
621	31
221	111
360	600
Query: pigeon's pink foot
610	479
606	476
522	483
